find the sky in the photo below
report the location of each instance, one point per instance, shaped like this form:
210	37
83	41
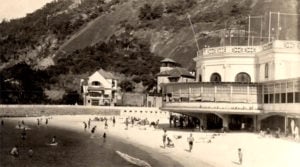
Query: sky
10	9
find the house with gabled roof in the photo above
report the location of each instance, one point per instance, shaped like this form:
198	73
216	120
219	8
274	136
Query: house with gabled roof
100	88
170	71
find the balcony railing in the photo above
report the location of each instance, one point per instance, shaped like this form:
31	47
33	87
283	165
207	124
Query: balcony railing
293	46
230	50
212	92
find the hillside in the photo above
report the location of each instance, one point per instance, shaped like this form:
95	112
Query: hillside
65	41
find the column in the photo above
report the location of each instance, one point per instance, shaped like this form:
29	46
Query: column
254	117
285	124
225	121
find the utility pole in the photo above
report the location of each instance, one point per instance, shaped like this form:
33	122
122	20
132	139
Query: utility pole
249	29
270	19
189	17
278	26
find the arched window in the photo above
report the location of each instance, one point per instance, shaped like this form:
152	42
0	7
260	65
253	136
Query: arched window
96	83
215	77
243	77
266	70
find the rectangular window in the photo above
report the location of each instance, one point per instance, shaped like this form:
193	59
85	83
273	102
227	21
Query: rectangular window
297	97
266	70
266	98
290	97
282	97
271	98
277	98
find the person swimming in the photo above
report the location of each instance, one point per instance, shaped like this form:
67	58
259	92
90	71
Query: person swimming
14	151
53	141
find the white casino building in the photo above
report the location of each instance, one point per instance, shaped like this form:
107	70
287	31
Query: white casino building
258	86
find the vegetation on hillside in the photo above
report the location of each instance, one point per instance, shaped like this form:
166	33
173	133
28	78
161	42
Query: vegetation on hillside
125	37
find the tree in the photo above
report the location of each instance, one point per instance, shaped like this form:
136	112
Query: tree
157	11
145	12
126	86
72	97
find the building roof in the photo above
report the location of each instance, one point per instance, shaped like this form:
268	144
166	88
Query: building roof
176	73
106	75
167	60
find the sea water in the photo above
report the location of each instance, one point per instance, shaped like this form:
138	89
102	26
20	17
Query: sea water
74	149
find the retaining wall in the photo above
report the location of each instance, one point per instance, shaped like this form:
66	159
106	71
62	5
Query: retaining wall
45	110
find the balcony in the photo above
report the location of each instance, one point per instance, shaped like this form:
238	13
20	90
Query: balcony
210	107
208	97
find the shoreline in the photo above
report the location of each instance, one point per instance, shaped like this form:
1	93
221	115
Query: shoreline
221	152
74	124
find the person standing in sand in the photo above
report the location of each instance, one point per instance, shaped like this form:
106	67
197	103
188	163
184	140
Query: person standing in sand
104	137
164	138
126	123
93	129
89	123
240	155
114	121
191	142
105	124
84	126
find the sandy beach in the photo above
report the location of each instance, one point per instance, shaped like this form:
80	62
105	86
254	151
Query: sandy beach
221	152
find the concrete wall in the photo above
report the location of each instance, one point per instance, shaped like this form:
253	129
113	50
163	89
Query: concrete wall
45	110
133	99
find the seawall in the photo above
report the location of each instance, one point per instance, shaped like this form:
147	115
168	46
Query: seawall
46	110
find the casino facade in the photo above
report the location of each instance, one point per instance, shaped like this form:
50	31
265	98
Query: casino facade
257	86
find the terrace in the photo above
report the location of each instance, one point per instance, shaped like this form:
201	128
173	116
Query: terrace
208	97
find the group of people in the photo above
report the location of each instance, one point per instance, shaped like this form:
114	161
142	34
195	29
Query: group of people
184	121
93	130
21	125
169	143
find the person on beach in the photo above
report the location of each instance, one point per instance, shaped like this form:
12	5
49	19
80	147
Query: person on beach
84	126
93	129
240	155
296	133
105	124
19	125
30	152
14	151
89	123
132	121
164	138
23	123
2	122
46	122
156	124
114	121
38	122
126	123
104	137
191	142
170	143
